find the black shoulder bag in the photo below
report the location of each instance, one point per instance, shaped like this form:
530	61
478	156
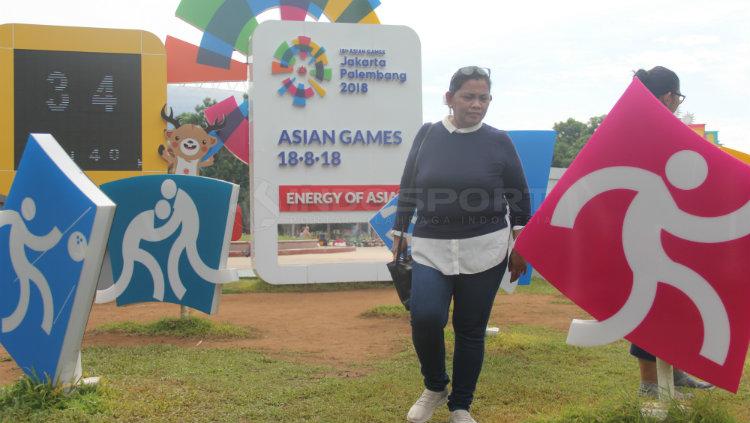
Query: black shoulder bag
400	268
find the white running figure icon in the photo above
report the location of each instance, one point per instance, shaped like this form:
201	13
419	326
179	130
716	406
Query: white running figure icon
186	215
21	238
142	228
652	211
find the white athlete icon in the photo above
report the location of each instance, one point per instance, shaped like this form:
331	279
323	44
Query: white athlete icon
186	214
182	215
21	238
652	211
142	228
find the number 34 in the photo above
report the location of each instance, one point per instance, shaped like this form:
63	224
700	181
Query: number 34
104	95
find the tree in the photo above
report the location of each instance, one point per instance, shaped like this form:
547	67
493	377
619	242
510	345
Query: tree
226	167
197	117
572	135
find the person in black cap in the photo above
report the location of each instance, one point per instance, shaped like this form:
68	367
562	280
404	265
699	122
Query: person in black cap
665	86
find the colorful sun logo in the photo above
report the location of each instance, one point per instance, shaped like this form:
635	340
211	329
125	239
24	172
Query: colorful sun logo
312	67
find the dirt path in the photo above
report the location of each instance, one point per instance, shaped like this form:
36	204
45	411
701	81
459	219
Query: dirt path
319	327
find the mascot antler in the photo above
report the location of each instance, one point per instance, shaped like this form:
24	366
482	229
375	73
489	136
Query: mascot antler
171	119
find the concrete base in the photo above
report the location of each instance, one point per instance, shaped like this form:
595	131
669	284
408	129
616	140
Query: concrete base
655	410
239	249
316	250
292	244
244	265
85	381
90	381
288	248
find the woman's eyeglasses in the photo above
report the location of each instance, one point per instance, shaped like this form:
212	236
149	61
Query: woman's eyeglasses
680	97
471	70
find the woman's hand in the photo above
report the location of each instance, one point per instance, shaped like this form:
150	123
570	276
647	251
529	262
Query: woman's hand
395	250
517	266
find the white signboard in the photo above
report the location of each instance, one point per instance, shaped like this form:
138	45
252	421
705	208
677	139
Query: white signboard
336	108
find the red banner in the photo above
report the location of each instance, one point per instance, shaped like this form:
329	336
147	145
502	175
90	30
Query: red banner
334	198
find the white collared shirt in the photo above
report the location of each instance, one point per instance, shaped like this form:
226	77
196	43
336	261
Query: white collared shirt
467	255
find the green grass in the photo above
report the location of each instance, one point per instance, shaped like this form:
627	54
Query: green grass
387	311
248	285
703	409
537	377
190	327
27	400
538	286
529	375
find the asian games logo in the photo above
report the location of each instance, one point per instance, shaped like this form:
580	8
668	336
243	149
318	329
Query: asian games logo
312	67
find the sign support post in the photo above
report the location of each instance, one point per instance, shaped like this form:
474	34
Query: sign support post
665	376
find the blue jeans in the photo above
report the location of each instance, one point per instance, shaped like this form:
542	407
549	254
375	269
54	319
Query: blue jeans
473	295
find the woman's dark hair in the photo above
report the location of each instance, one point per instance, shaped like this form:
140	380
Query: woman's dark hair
466	73
659	80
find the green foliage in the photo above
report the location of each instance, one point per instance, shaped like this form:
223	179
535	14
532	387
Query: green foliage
572	135
392	311
29	400
190	327
197	117
229	168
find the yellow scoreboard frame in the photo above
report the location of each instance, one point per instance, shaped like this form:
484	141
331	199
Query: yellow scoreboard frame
153	79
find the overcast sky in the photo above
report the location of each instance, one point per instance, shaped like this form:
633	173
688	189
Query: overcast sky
550	60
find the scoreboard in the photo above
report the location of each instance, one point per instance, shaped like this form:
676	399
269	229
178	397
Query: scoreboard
99	92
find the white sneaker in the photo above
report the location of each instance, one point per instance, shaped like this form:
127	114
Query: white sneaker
461	416
426	405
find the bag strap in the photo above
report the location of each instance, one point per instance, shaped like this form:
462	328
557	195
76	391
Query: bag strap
412	178
413	173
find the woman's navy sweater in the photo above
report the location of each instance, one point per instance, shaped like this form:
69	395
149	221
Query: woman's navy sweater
462	183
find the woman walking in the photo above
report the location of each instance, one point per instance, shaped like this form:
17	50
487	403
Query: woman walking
464	181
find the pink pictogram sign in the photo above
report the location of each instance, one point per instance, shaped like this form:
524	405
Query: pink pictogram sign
649	232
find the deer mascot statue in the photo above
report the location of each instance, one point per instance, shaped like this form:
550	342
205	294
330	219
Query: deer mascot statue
186	145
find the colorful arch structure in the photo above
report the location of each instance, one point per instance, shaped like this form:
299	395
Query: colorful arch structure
183	66
739	155
228	26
